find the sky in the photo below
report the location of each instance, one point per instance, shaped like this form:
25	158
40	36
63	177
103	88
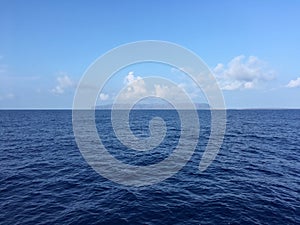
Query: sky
252	47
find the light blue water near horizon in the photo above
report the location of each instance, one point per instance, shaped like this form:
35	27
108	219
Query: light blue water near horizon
253	180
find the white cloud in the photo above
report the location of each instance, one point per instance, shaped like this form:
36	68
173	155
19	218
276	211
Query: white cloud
165	91
130	78
294	83
64	82
103	97
229	86
161	91
242	73
135	87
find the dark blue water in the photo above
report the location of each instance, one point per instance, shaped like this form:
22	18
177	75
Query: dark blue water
255	178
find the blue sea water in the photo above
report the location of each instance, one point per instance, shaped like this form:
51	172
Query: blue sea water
255	178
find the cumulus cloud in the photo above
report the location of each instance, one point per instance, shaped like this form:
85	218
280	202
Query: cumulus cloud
103	97
242	73
294	83
135	87
131	78
165	91
138	87
161	91
63	82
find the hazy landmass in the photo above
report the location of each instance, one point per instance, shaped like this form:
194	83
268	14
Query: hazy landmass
154	106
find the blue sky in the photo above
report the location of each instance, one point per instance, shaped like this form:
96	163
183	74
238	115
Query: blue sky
253	47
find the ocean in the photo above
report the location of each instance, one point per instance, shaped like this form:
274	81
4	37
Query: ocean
255	178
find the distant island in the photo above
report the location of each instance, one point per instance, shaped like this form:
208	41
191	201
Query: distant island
203	106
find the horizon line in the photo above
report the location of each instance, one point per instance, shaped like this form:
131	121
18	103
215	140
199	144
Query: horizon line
246	108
